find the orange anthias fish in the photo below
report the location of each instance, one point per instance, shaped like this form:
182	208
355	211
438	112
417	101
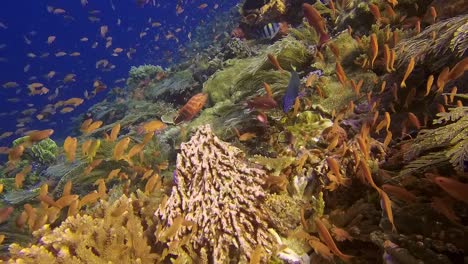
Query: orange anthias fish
191	108
114	132
40	135
120	148
340	73
69	146
374	9
374	48
454	188
98	86
458	70
400	192
408	72
317	22
151	127
74	101
262	103
203	6
272	58
327	238
5	214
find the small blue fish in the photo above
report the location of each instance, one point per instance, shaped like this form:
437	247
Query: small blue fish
292	91
269	31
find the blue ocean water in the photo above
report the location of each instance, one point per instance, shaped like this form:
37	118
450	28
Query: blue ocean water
26	57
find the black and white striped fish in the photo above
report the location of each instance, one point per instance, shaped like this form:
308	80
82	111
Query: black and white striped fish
269	31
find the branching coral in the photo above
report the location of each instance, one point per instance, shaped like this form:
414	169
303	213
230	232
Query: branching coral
115	236
221	195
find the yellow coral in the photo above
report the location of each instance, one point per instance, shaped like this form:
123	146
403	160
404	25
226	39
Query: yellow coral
105	238
277	5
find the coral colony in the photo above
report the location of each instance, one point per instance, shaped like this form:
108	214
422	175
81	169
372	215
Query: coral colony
315	132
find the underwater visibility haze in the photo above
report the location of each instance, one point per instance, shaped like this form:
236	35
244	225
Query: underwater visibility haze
253	131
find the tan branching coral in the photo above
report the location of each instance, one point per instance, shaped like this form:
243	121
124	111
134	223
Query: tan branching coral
221	196
117	236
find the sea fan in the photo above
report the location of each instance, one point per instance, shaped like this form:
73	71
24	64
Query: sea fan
453	115
448	143
424	163
450	42
459	43
459	155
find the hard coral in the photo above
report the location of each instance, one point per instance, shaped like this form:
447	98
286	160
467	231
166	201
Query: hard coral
221	194
44	151
114	237
258	12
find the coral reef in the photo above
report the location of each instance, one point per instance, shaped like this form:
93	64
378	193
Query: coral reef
261	12
176	85
221	195
140	73
284	211
113	234
44	151
375	144
449	44
236	80
236	48
439	146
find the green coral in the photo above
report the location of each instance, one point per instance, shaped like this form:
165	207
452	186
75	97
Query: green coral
318	204
449	45
236	48
284	212
221	85
276	165
242	77
44	151
306	126
140	73
174	85
437	147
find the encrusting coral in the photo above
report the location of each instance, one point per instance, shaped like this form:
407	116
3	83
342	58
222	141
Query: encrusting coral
218	192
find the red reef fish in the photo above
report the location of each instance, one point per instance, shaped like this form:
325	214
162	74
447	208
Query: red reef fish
262	103
454	188
317	22
191	108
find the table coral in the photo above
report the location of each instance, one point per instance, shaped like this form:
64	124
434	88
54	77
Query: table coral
218	191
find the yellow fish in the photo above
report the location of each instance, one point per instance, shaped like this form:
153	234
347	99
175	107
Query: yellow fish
120	148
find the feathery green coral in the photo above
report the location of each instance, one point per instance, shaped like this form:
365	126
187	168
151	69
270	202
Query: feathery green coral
437	52
435	147
242	77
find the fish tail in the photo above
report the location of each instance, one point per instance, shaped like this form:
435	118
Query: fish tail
403	84
323	39
345	258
